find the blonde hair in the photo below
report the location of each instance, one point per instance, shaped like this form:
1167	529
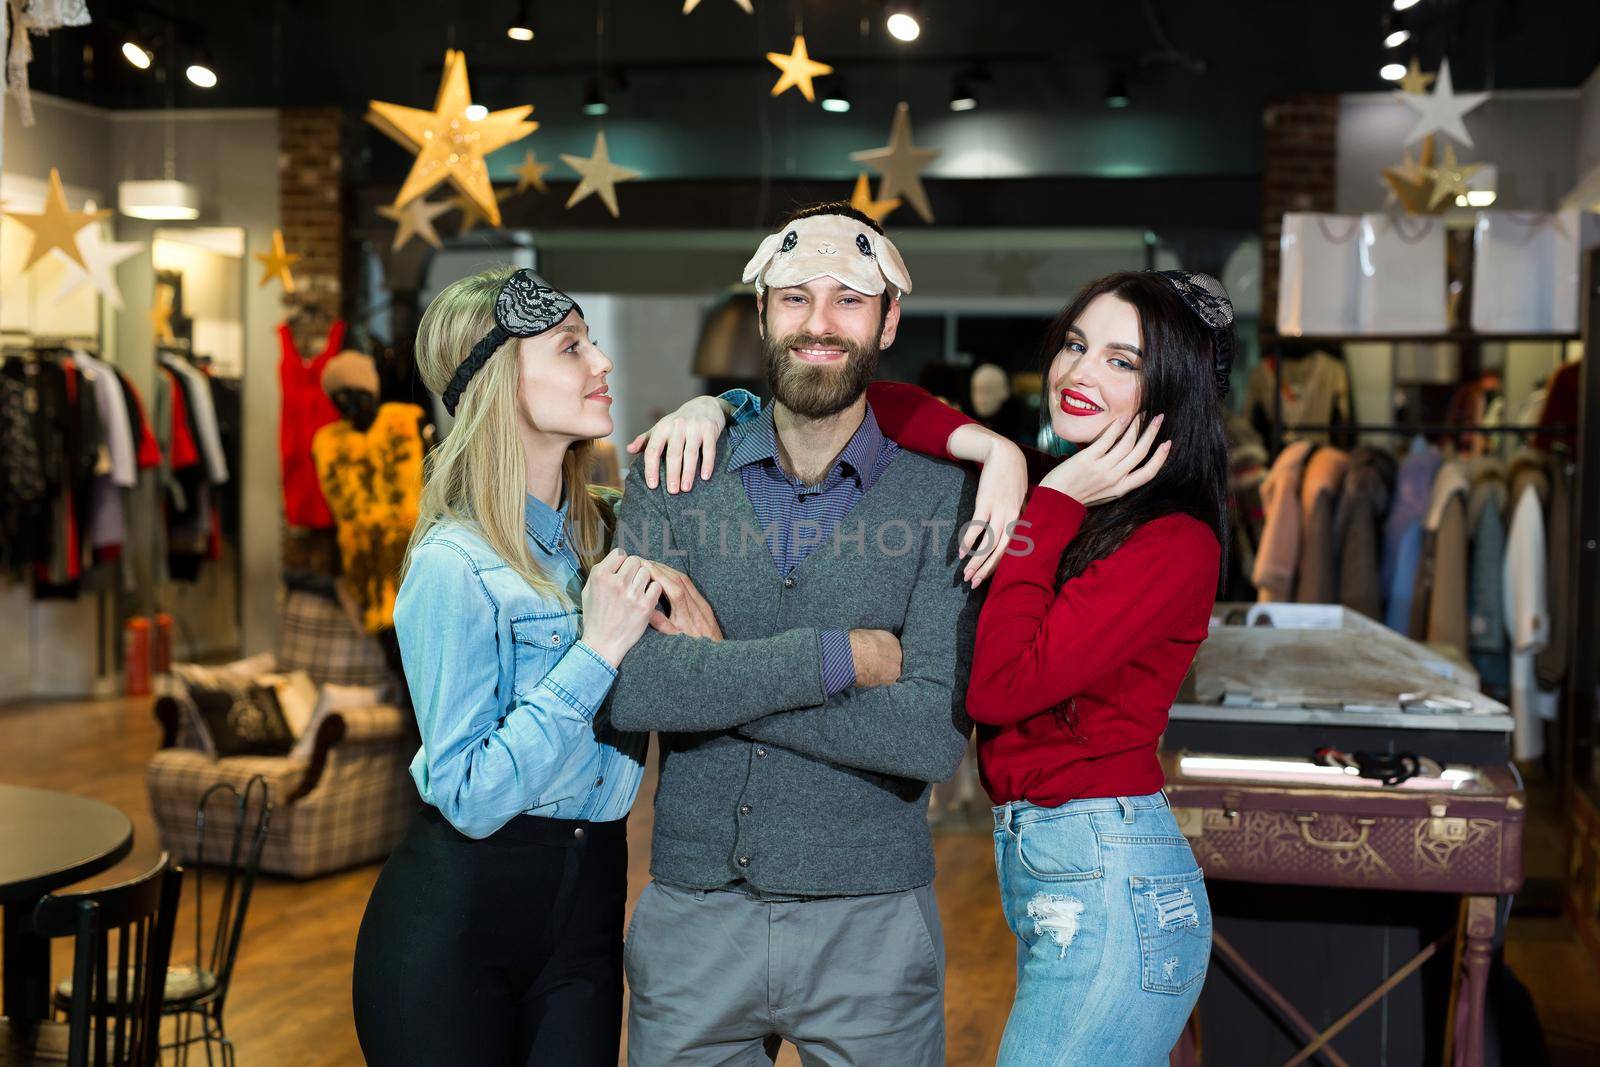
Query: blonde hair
478	474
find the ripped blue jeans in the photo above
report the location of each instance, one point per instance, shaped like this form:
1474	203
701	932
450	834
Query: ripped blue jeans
1113	931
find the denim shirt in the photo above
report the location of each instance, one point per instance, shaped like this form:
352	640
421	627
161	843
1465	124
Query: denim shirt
504	689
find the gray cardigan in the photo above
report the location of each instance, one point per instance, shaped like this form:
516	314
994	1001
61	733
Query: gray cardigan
762	778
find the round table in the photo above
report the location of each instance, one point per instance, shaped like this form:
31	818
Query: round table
47	840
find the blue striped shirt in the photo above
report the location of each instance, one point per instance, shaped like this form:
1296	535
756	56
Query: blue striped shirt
798	517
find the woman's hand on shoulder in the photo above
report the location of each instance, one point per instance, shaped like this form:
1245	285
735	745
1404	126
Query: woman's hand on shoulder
1002	489
1110	466
687	438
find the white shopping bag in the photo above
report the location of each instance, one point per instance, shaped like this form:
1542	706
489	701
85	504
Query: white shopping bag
1404	281
1526	272
1320	273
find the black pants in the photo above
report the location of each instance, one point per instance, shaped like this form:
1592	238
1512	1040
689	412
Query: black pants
504	951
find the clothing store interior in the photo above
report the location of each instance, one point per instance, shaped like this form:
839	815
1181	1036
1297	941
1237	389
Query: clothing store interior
224	223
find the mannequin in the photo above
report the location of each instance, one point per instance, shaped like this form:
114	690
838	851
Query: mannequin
370	466
994	405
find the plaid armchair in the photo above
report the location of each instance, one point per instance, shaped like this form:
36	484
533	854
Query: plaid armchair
348	804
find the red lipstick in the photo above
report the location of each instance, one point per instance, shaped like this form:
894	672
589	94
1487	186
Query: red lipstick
1089	406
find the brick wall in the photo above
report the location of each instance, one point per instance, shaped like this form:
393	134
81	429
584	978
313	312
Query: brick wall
309	204
1298	174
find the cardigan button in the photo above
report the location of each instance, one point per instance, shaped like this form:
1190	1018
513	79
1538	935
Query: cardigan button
788	581
761	753
744	861
744	809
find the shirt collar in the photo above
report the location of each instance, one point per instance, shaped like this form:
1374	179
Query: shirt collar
545	524
758	441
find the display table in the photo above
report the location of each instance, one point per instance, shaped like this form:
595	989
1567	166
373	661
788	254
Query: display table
47	840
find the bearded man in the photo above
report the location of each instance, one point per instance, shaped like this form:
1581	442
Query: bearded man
807	689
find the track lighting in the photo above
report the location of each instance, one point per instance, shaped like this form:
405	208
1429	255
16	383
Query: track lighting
521	28
137	54
902	23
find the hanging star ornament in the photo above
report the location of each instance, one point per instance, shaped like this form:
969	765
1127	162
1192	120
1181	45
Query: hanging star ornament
1414	81
599	175
861	200
901	163
798	70
276	263
100	260
1450	178
1409	184
471	217
449	145
530	175
690	5
161	314
56	227
1441	111
416	220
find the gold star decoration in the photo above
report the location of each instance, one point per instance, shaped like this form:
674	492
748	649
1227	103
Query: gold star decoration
690	5
1409	184
798	70
471	217
531	174
1450	178
449	145
901	163
57	226
861	200
416	220
1414	81
161	314
599	175
100	259
276	263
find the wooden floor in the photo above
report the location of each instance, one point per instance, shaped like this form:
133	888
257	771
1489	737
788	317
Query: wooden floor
290	1003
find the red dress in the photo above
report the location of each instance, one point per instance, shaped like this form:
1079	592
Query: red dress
1070	688
304	410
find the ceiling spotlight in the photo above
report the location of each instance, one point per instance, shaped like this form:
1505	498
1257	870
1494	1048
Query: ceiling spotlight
834	96
1117	95
1405	5
962	98
1395	31
594	105
201	72
1392	72
136	54
521	28
902	22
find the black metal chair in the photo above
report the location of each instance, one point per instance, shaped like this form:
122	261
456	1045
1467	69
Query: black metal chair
114	1010
198	994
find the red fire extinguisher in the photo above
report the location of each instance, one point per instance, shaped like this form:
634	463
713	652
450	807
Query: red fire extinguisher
162	653
136	657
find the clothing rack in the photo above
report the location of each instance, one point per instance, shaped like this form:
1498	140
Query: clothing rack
1427	428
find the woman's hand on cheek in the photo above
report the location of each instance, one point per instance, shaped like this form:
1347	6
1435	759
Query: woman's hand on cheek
687	438
1110	467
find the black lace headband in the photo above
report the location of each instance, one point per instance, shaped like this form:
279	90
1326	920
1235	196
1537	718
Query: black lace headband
526	307
1204	295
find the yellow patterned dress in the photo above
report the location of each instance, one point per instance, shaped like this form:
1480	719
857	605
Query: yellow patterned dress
372	482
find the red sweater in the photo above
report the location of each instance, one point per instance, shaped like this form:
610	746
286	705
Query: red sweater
1071	689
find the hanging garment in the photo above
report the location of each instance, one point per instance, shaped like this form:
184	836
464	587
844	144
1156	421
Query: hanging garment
1402	532
372	482
1280	534
1247	469
28	427
1439	600
1486	523
1551	663
1315	391
203	410
1560	408
1527	622
107	530
1318	581
304	409
147	449
1358	523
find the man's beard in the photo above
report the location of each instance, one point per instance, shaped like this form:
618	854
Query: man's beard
816	391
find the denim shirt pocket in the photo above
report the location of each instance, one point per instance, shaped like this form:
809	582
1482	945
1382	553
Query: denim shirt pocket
540	640
1173	915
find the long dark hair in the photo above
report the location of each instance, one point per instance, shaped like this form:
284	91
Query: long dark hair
1178	379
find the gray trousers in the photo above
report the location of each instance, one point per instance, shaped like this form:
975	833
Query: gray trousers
719	979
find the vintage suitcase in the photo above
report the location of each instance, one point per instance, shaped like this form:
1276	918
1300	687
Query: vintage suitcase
1288	822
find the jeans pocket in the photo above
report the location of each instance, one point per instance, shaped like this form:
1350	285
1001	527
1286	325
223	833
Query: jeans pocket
1060	849
1173	916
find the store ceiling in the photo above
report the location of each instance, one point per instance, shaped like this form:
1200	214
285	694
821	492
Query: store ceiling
1206	70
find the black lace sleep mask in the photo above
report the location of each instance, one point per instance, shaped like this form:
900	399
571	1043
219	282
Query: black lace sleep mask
1204	295
526	307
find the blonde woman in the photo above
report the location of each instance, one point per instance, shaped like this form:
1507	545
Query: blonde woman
494	933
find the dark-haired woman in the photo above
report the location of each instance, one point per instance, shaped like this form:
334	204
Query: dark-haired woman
1096	610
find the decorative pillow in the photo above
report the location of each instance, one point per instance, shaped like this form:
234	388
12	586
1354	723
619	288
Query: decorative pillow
233	716
297	698
334	698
